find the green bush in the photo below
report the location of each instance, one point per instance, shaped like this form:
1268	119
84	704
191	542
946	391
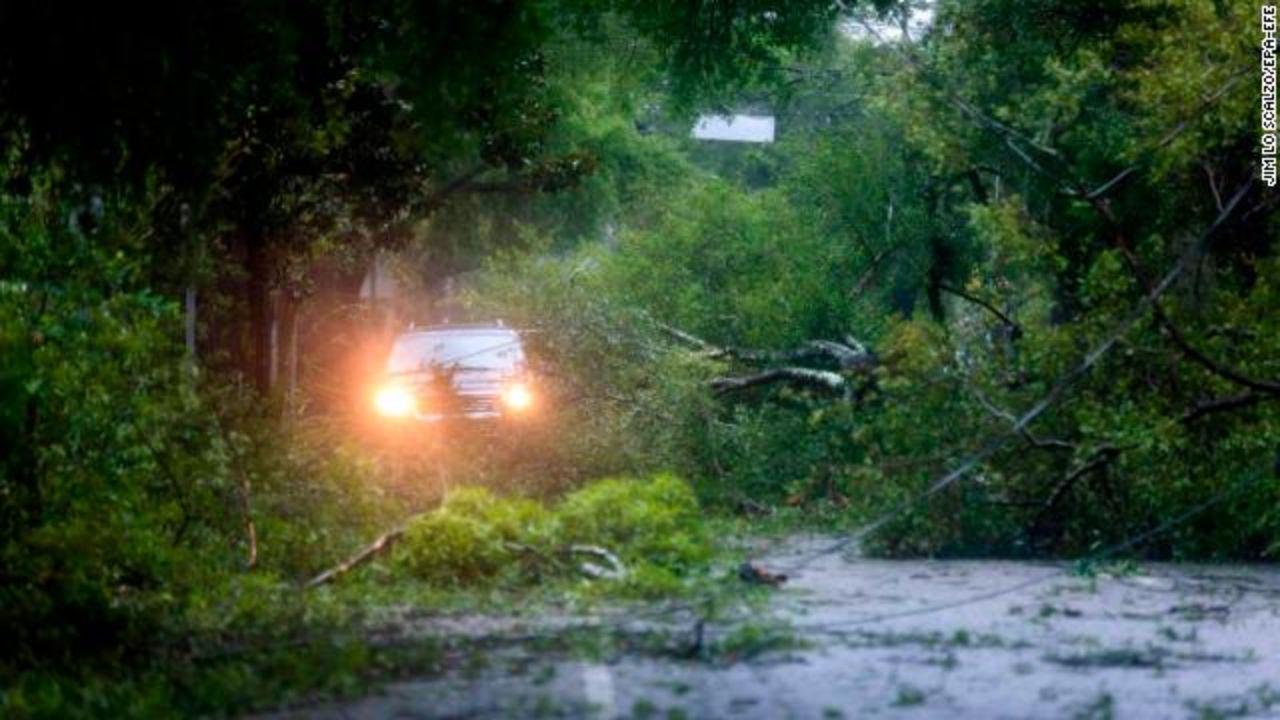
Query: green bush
448	549
654	522
117	481
512	519
652	525
123	540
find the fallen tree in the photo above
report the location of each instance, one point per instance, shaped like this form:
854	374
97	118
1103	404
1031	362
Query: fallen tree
850	358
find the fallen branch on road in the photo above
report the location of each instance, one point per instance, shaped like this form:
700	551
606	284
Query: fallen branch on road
611	569
368	552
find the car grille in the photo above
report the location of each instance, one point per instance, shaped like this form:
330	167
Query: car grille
479	404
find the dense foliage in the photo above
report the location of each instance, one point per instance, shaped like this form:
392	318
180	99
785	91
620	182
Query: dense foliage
189	199
975	239
652	529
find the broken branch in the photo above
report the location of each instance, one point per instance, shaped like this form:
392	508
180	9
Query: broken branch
1032	440
964	295
1098	460
612	568
848	355
1232	402
368	552
820	379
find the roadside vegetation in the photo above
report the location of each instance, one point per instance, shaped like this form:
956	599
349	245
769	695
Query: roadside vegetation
952	228
918	270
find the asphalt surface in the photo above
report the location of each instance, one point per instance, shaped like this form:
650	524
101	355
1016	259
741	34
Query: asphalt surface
853	637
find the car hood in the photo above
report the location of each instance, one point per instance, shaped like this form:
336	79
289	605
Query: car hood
468	381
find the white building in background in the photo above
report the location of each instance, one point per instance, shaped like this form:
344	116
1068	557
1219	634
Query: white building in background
380	282
890	30
735	128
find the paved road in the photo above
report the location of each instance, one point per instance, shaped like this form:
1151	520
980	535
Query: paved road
919	639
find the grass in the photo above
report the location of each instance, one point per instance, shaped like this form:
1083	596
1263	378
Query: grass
960	638
908	696
1119	568
752	639
1260	700
644	709
1114	658
1103	707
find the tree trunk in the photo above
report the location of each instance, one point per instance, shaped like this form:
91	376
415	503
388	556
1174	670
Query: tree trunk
287	308
260	321
190	321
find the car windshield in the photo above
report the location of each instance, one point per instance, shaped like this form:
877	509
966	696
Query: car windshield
483	350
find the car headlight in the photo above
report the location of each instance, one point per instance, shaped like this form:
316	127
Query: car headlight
395	401
517	397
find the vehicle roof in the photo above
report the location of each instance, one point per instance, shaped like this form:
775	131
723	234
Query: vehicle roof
470	329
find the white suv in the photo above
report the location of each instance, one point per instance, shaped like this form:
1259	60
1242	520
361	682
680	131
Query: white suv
476	372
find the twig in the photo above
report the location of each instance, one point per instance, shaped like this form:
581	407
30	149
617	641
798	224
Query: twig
246	494
1049	444
1213	184
686	338
1008	321
1231	402
1099	459
867	275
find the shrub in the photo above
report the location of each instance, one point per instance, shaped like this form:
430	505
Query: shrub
513	519
654	521
652	525
445	548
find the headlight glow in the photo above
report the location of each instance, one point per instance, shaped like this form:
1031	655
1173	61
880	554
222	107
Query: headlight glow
517	397
395	401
